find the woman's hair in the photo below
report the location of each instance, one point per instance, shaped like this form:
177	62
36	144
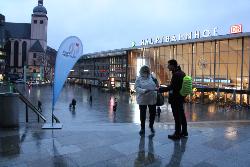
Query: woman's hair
145	70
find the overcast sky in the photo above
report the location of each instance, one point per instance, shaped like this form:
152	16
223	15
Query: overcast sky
113	24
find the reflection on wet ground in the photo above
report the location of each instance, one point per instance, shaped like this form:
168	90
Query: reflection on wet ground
94	135
108	144
100	107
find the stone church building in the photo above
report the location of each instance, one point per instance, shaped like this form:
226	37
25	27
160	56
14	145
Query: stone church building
26	45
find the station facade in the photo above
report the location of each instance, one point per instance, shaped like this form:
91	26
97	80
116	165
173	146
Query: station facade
215	62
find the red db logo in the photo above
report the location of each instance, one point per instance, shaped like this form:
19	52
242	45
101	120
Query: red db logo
236	29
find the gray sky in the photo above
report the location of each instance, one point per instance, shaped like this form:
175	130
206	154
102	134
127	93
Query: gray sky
113	24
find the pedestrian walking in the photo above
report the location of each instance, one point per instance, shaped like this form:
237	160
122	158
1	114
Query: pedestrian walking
176	100
146	94
158	111
90	99
73	103
115	105
90	88
39	105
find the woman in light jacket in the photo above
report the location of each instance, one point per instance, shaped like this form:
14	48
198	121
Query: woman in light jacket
145	86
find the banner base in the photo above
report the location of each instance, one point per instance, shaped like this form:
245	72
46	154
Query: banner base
52	126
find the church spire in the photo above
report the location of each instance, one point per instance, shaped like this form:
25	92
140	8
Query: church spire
40	2
40	9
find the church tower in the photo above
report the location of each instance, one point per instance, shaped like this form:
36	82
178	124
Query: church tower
39	22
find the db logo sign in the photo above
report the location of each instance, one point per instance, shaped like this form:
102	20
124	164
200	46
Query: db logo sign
236	29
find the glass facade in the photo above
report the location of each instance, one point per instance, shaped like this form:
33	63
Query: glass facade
217	64
213	64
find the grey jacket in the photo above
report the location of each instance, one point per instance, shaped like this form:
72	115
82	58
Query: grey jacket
141	85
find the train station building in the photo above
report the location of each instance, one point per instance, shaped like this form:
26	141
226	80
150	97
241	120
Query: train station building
215	62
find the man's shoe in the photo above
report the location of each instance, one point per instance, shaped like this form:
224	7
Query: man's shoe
174	137
142	132
152	130
184	135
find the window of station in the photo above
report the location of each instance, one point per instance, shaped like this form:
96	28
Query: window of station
41	21
35	21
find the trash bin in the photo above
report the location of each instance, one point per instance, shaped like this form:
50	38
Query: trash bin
9	110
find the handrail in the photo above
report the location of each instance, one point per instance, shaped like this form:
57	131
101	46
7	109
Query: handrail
27	102
55	118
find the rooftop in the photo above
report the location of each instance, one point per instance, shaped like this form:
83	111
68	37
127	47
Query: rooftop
123	51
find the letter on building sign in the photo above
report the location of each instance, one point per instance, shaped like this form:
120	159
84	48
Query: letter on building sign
215	31
162	39
142	42
206	33
173	38
197	34
167	38
157	40
151	41
133	44
189	36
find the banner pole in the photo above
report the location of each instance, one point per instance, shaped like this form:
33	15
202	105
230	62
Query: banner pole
52	121
52	125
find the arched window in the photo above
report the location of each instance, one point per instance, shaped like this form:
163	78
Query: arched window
7	48
24	51
16	54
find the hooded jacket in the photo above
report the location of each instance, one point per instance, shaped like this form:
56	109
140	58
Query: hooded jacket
141	85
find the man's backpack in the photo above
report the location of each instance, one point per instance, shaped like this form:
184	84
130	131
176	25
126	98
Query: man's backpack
186	88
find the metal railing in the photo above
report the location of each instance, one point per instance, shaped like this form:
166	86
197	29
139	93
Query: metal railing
31	106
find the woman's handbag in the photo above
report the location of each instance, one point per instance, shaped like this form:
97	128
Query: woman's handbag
160	99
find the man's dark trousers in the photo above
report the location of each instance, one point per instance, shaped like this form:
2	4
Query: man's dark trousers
179	117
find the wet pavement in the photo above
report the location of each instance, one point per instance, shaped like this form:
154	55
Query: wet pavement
101	108
93	135
119	144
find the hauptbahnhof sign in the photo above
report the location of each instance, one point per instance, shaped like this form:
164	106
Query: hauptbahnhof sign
187	36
